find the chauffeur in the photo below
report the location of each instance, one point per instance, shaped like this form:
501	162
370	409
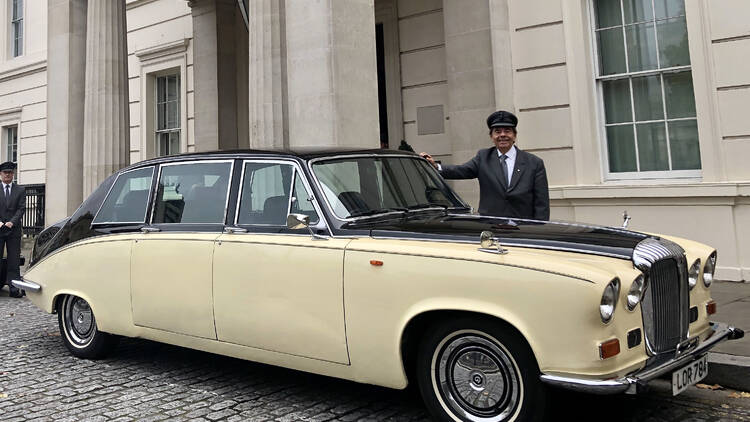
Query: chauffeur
12	208
512	182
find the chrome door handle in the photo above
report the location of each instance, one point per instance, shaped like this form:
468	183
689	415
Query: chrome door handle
150	229
232	230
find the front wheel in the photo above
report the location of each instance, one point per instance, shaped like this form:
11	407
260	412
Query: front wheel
79	331
479	371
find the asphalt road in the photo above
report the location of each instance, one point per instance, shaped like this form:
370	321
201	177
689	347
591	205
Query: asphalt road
147	381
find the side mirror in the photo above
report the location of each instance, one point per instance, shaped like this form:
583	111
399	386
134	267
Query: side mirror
297	221
489	243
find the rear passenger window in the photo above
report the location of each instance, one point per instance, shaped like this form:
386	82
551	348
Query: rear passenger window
128	199
268	194
192	193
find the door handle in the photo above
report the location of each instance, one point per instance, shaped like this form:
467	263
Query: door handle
150	229
233	230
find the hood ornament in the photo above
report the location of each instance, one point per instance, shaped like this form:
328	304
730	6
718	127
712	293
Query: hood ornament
491	244
625	219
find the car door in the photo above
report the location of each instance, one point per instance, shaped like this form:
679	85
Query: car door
171	276
275	288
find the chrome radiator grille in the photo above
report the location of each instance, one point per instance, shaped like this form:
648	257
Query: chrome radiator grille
666	302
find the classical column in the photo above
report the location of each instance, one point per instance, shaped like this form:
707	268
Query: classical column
471	84
267	76
66	62
332	86
106	140
215	62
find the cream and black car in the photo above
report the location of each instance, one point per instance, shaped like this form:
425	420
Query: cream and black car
365	265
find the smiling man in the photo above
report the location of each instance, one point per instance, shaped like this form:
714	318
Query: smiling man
12	208
512	182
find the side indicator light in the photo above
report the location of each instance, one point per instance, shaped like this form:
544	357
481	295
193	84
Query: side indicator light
609	348
376	263
711	307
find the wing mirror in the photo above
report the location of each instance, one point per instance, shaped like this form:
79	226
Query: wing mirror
302	221
491	244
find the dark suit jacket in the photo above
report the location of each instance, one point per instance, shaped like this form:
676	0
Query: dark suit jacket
12	209
527	196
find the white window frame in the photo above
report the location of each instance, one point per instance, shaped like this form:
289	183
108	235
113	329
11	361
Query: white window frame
159	131
158	61
601	117
11	28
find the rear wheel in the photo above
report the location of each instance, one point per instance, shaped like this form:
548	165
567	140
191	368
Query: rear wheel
79	331
479	371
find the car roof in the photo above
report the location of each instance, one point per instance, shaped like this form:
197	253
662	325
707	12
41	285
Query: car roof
301	153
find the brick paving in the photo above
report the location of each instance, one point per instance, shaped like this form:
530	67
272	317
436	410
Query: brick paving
147	381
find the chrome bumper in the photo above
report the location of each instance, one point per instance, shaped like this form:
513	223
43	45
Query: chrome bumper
629	384
27	285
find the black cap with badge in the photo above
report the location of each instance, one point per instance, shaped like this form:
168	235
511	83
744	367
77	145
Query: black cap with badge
502	118
8	166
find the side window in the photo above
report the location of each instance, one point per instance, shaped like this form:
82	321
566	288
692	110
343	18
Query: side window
265	194
192	193
128	199
301	201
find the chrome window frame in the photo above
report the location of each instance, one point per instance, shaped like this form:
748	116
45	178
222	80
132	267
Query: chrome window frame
109	192
181	163
295	170
310	164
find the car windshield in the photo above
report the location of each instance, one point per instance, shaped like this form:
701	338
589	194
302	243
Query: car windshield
371	186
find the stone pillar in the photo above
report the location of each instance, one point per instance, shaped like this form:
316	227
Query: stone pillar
66	62
471	84
215	50
267	76
331	73
501	55
106	138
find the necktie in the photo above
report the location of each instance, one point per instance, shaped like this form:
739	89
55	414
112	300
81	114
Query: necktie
7	191
504	167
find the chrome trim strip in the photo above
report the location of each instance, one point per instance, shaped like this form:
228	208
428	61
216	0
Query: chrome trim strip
629	383
27	285
472	260
93	221
182	163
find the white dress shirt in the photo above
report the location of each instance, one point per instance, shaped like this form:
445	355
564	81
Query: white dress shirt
510	160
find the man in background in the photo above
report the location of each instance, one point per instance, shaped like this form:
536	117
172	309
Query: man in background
12	208
512	182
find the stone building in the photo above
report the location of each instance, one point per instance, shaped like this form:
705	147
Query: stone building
636	105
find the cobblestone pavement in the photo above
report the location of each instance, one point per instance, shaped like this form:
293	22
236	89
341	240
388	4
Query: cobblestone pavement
147	381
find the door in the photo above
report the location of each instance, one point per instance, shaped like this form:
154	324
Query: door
171	277
274	288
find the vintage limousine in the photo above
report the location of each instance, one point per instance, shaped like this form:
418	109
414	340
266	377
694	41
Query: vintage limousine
365	265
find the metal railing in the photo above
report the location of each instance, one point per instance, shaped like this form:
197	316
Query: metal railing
33	219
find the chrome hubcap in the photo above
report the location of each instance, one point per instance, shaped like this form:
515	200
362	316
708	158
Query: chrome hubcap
476	378
79	321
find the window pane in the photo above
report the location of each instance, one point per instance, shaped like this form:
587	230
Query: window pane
265	194
611	51
17	9
647	98
128	199
161	116
192	193
637	11
669	8
161	89
174	142
301	202
172	88
673	42
641	47
617	101
678	90
652	147
608	13
683	143
173	117
621	148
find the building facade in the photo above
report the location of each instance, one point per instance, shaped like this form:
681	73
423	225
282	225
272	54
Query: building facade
634	105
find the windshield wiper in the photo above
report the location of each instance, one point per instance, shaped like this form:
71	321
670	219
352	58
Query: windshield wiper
423	207
377	212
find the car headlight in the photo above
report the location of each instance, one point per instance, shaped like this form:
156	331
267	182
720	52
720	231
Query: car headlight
609	300
693	273
636	292
709	268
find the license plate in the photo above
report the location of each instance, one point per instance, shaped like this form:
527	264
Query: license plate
689	375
